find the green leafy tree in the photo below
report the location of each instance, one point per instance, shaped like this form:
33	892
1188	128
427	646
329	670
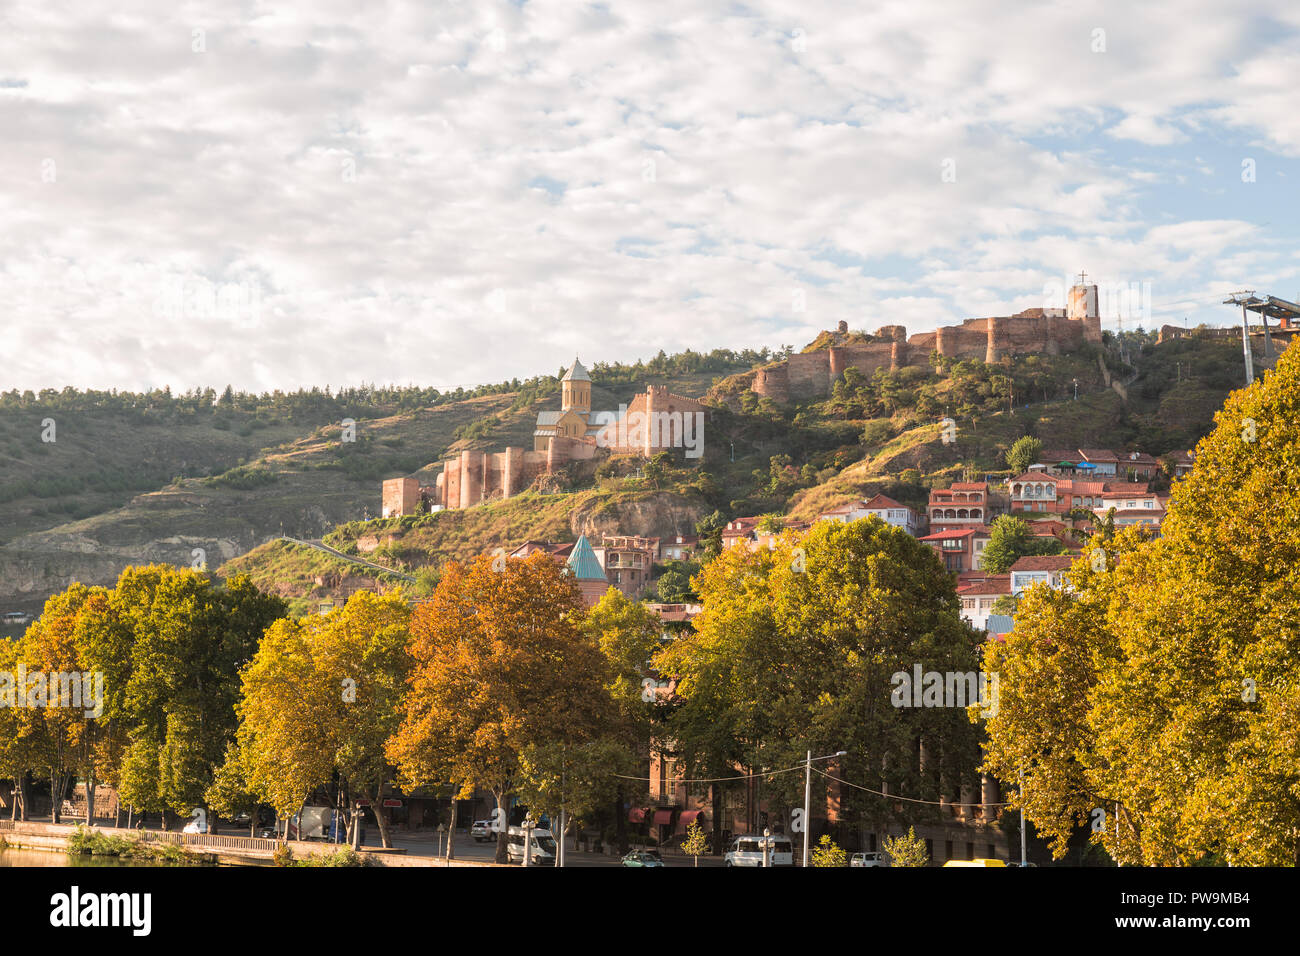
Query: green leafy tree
1011	539
190	635
674	585
709	529
657	468
1024	453
798	651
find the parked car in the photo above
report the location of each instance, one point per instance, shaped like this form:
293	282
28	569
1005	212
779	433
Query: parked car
748	851
867	859
481	831
643	858
976	862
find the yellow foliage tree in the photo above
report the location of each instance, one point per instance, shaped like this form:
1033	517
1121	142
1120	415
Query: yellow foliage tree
1157	699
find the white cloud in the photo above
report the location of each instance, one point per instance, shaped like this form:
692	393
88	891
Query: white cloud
631	177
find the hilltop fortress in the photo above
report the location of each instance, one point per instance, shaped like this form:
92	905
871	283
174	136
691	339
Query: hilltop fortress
810	375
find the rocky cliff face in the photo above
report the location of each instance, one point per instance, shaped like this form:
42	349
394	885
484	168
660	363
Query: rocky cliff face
658	514
31	569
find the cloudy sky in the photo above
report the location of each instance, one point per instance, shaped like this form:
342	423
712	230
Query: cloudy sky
277	195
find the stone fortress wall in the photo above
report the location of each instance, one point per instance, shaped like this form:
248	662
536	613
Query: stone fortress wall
810	375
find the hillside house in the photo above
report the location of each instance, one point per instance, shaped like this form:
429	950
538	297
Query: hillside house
964	504
679	547
628	561
1130	508
977	599
745	531
960	549
1040	569
888	510
1039	492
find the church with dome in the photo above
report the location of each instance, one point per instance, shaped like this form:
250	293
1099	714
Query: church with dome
653	421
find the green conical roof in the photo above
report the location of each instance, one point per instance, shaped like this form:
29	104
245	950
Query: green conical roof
576	373
583	563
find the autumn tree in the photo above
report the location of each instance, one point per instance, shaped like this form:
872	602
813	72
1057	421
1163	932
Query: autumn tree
321	697
696	843
56	719
21	744
501	665
628	635
827	854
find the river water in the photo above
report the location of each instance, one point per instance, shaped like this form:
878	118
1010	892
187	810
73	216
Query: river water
12	856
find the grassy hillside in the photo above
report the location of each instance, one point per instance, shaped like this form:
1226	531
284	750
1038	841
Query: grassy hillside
253	468
245	471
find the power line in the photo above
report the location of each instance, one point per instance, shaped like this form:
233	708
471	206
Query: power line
894	796
773	773
743	776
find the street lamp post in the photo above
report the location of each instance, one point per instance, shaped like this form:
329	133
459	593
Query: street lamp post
807	796
451	829
1022	816
528	838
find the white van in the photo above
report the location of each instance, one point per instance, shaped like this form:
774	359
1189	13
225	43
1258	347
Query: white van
748	851
542	847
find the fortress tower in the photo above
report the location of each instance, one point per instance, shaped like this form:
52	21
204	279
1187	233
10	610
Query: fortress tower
1081	306
575	389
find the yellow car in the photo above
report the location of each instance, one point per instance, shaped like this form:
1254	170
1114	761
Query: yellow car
980	862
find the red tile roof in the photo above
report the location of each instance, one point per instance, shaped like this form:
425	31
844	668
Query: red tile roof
879	502
993	584
1098	454
1043	562
1037	476
955	533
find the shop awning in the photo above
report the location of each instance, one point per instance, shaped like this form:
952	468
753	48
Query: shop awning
636	815
688	817
663	817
